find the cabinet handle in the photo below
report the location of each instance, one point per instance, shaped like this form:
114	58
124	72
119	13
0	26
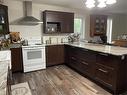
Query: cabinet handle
73	58
85	50
73	47
103	54
84	63
103	71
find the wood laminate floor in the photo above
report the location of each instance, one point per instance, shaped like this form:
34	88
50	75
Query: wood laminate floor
58	80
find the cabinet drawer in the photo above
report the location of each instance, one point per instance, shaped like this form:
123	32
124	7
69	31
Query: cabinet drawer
85	67
87	56
74	63
108	60
105	75
83	54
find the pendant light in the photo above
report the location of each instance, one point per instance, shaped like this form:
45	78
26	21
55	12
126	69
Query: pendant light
90	3
110	1
99	3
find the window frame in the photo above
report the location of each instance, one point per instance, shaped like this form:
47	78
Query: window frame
82	31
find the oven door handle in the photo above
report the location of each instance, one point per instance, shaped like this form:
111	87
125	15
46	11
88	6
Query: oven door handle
33	48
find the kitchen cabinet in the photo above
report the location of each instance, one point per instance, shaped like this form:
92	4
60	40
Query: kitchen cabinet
16	59
58	22
4	25
111	72
81	59
98	25
107	70
54	55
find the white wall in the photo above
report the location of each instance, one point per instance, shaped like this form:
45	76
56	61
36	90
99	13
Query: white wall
16	11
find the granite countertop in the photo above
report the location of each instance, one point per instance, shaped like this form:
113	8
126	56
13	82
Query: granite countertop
15	45
5	64
3	76
114	50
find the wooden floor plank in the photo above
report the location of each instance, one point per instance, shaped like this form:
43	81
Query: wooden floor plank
58	80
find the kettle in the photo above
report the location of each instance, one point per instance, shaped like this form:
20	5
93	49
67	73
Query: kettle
25	42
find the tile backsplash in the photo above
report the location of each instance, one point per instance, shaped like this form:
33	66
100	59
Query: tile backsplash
55	39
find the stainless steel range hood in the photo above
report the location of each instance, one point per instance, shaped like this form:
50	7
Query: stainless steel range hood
28	19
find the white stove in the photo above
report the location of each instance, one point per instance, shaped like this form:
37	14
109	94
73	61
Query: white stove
33	57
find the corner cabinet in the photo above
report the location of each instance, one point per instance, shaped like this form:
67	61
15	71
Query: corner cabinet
58	22
4	25
98	25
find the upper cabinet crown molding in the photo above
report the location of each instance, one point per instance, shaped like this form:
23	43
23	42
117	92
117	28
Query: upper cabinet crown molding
58	22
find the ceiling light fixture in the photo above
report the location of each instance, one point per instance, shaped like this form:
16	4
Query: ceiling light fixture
110	1
99	3
90	3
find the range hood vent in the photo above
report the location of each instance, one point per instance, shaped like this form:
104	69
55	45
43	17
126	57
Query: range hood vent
28	19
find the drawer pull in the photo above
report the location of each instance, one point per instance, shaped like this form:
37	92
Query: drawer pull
73	58
85	50
103	71
84	63
103	54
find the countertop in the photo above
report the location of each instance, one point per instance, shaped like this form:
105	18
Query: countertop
3	76
5	65
114	50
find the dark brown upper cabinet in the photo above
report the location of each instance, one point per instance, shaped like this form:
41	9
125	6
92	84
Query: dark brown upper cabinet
58	22
98	25
4	25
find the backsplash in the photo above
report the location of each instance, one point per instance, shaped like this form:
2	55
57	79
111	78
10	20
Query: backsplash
55	39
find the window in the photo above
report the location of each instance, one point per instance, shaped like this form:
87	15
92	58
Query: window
109	30
78	26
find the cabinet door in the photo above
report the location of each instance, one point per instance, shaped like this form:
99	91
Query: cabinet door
16	59
67	25
54	55
98	25
62	22
4	25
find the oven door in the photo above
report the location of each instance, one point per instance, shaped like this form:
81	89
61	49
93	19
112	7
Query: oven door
33	55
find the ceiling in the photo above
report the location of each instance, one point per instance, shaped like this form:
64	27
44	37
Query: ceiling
119	7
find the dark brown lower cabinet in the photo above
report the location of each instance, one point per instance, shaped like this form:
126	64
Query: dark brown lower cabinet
16	59
80	59
54	55
109	71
